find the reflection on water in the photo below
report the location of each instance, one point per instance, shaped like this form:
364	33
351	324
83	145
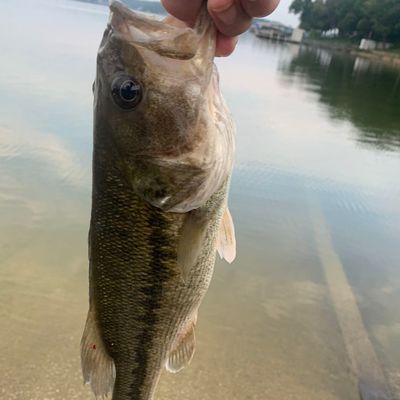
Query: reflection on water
355	89
317	218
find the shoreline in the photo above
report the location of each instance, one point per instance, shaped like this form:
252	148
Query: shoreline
382	56
386	57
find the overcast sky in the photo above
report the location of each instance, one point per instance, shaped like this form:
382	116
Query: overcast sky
282	14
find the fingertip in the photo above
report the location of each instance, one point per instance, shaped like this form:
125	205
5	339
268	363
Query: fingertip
217	6
225	45
182	9
259	8
231	21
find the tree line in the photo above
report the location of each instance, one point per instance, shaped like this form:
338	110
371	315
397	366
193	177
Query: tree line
373	19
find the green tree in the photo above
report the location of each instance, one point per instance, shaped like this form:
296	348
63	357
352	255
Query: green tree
305	9
349	13
377	19
384	17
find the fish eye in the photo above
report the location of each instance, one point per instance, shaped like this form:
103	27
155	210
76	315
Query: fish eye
126	92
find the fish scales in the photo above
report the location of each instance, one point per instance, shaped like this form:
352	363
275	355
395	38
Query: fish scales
136	282
162	160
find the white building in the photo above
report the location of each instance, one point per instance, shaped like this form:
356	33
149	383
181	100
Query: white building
297	35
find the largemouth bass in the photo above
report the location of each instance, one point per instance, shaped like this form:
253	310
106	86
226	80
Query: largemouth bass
162	160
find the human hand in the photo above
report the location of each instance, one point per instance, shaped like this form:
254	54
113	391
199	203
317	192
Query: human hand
231	17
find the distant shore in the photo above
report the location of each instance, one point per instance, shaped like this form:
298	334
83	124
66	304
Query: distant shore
386	56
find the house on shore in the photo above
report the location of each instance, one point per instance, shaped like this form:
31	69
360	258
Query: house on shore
273	30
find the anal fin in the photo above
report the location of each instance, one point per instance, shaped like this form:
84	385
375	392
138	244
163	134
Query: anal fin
226	241
97	366
183	349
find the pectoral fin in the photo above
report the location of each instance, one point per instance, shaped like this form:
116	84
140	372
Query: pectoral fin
183	349
191	241
97	366
226	241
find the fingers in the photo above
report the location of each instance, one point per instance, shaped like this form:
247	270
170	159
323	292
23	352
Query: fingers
225	45
233	17
229	16
182	9
259	8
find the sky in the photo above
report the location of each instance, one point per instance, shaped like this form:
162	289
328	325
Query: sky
281	14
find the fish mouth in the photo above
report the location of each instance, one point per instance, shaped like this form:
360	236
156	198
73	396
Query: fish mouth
167	39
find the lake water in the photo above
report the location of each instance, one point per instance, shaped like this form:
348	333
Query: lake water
309	310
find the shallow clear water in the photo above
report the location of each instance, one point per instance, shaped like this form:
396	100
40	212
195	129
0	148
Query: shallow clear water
311	303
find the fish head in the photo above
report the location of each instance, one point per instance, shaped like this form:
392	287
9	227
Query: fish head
155	105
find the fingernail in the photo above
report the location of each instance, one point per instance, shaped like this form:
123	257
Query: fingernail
228	16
